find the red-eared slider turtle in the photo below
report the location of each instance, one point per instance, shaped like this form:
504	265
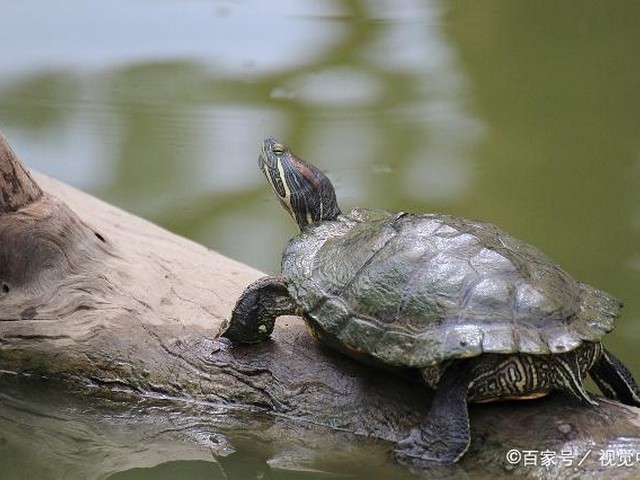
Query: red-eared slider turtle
482	315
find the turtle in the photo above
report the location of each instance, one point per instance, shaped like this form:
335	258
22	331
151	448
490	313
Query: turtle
481	315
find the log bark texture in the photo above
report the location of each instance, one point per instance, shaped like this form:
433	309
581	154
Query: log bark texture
98	300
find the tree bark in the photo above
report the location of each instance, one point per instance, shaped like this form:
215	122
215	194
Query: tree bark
97	300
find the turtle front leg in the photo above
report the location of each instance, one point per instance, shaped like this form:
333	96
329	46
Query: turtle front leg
444	437
256	310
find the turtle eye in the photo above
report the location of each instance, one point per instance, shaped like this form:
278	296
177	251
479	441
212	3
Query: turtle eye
277	149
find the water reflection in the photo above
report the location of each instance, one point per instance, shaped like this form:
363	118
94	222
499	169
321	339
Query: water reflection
243	38
79	436
173	137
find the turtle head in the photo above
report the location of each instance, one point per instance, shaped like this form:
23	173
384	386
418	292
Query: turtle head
303	190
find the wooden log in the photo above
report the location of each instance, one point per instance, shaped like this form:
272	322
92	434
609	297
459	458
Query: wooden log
103	302
17	188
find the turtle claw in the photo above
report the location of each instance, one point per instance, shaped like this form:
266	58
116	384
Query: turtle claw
419	456
425	448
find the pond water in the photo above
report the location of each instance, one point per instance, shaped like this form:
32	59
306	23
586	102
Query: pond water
524	114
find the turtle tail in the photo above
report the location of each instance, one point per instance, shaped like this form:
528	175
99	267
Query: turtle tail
615	380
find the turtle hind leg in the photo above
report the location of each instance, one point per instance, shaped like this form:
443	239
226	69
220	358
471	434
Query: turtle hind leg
568	375
444	437
615	380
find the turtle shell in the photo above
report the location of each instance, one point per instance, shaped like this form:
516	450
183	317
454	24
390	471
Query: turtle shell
415	290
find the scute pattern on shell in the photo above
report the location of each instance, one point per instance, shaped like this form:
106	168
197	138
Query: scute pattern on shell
415	290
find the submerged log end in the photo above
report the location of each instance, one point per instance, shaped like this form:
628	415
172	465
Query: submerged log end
17	188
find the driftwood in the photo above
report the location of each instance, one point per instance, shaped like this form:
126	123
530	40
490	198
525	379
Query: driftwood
100	302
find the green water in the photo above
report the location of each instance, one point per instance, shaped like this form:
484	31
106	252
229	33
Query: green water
524	114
